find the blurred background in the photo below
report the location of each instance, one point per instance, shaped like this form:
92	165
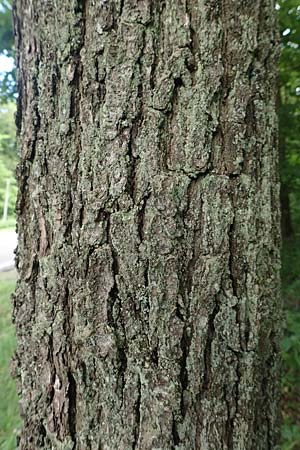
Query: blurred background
289	154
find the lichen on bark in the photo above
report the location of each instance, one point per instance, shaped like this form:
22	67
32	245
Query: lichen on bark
147	308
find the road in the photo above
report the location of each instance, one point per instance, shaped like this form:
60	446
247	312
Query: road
8	242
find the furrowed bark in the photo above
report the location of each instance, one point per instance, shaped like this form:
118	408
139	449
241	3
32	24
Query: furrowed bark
147	308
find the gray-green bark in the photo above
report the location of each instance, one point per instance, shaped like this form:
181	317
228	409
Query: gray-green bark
147	309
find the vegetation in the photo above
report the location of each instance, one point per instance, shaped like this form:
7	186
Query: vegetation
289	114
290	382
291	342
7	79
289	143
8	155
9	417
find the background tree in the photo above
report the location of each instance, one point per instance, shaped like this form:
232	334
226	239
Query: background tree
289	114
7	78
8	155
289	139
147	307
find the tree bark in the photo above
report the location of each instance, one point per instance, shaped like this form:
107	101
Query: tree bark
286	219
147	308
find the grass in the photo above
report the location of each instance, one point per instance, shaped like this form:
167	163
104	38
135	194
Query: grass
9	418
10	223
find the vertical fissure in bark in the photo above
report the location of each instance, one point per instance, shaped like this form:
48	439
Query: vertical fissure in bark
170	118
117	323
229	426
155	34
87	261
195	252
72	407
232	251
133	160
114	292
210	335
77	95
141	217
101	91
71	389
36	118
231	417
50	358
83	9
192	63
121	7
175	435
137	407
154	356
185	344
67	308
225	56
136	124
42	434
81	210
122	348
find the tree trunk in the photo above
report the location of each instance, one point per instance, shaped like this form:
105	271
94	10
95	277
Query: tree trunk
286	219
147	307
286	222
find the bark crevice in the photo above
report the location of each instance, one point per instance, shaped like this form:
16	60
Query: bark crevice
72	407
137	414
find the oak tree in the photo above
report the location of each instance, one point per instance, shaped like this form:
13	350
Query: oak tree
147	308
